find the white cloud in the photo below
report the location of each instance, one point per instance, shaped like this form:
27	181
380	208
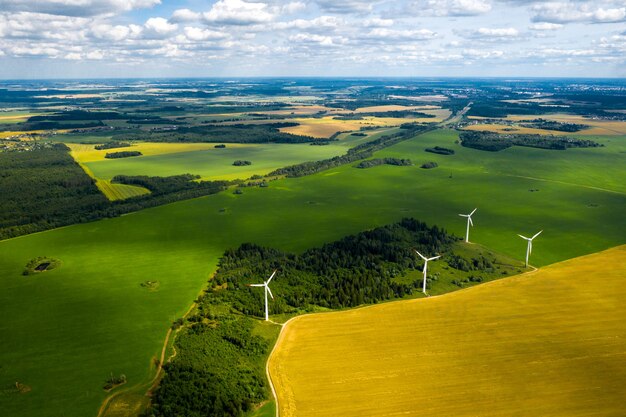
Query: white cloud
400	35
95	55
313	38
185	15
198	34
76	7
160	26
293	7
377	23
567	12
108	32
346	6
545	26
494	33
73	56
319	23
450	7
238	12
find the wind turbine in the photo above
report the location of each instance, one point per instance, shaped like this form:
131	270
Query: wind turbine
529	248
267	290
426	268
469	222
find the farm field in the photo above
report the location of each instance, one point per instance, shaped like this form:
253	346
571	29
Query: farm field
550	343
327	126
597	127
165	159
104	262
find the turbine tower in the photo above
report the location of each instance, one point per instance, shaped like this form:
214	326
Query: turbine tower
529	248
426	268
469	222
267	291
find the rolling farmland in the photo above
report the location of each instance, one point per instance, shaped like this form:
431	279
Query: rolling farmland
549	343
104	262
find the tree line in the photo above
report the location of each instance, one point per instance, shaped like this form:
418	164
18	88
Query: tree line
494	142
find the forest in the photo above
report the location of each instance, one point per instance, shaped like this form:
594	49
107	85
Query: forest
494	142
383	161
260	133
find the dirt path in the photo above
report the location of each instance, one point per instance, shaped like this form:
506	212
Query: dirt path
591	187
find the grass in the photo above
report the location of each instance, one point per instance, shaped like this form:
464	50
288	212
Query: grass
120	191
66	330
550	343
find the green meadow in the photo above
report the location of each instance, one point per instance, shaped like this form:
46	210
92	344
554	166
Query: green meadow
64	331
214	163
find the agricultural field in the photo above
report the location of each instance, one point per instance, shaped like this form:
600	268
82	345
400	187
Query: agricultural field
327	126
103	263
597	127
165	159
551	342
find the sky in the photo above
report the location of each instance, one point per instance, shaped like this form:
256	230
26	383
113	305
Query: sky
237	38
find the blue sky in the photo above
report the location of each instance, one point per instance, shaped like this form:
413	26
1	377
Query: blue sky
194	38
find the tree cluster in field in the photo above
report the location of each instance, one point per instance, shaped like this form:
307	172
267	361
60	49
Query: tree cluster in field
553	125
362	151
34	265
241	163
493	142
220	146
359	134
429	165
440	150
383	161
219	369
122	154
171	185
48	189
244	133
112	145
113	380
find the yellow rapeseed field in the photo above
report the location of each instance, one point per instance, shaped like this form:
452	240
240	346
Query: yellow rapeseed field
548	343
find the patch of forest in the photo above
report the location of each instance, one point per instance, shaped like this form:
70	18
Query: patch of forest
383	161
122	154
260	133
494	142
362	151
219	366
393	113
112	145
440	150
553	125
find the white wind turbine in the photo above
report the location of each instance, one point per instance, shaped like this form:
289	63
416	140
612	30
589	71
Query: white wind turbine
426	268
267	291
529	248
469	222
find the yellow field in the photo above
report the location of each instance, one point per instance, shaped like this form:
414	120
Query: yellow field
327	126
86	153
548	343
120	191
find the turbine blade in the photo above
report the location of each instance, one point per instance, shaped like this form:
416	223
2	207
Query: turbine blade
463	215
269	291
523	237
538	233
473	211
256	285
272	276
421	256
470	220
434	257
530	247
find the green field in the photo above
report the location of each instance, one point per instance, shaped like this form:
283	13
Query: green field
96	295
212	163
